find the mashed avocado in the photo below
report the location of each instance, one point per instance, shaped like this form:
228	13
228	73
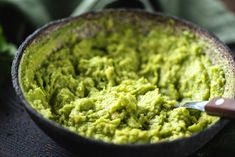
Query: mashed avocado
122	86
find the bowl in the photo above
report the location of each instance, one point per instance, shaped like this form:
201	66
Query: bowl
84	26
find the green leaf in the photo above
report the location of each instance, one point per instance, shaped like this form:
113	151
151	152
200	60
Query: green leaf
62	8
4	46
210	14
95	5
7	52
90	5
34	10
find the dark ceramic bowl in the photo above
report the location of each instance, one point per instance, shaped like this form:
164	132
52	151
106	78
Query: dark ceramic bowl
85	26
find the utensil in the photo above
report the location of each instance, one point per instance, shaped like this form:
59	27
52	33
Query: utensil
223	107
38	43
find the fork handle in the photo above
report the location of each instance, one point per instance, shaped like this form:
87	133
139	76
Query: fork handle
223	107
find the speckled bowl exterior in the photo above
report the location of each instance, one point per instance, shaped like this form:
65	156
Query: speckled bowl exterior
79	144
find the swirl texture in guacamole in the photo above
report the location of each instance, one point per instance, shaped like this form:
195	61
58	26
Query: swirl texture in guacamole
122	86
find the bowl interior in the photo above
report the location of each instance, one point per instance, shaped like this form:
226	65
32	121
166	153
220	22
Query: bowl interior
67	32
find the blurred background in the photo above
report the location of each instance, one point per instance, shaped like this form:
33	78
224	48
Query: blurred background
19	18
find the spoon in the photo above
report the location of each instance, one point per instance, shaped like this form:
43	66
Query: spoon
222	107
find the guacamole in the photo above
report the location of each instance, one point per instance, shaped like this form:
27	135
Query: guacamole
121	86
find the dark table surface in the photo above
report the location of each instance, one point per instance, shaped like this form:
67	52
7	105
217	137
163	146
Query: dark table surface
19	135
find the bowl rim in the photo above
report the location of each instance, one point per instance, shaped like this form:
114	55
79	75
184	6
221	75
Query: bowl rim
16	63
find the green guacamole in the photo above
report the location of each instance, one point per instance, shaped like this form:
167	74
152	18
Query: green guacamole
122	86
